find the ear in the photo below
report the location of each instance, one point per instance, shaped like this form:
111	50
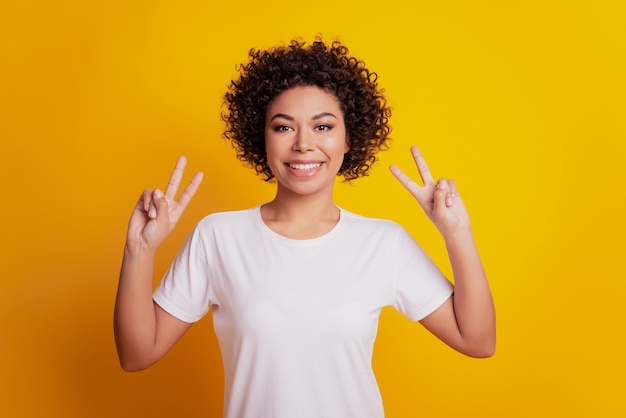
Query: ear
346	146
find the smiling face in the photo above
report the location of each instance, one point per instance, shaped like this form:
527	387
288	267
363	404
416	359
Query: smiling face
305	140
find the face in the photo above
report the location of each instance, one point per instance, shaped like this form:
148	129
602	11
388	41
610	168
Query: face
305	140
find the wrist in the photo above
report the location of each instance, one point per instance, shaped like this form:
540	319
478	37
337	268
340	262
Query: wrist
462	234
138	250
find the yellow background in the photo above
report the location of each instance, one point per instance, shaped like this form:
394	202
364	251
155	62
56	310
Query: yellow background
523	103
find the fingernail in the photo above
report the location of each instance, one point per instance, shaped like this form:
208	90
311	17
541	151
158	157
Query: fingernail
158	193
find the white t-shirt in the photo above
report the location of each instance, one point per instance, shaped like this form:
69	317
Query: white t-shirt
296	319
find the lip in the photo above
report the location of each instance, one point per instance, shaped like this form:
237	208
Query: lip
304	168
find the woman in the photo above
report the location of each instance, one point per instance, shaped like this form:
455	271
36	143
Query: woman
297	284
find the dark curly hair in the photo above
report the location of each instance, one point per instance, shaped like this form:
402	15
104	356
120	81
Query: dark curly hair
270	72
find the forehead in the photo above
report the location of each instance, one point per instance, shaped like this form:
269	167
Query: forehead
303	99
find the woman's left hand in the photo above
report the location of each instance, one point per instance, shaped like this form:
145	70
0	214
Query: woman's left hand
440	201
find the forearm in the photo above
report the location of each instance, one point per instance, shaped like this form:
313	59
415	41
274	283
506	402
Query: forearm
135	318
473	302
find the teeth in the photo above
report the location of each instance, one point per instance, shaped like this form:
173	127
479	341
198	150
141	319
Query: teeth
304	166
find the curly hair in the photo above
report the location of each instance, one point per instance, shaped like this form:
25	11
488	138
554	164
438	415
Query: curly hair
270	72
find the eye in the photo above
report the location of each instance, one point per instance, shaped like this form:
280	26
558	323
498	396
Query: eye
323	127
282	128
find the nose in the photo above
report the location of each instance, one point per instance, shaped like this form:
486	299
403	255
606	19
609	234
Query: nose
303	141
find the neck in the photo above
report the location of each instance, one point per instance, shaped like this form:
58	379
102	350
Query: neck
299	216
290	207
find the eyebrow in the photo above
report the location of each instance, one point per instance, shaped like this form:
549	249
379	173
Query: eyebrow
291	118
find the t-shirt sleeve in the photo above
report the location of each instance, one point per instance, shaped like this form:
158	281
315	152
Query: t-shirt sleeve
420	287
185	290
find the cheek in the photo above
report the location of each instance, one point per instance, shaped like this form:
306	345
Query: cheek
344	143
270	145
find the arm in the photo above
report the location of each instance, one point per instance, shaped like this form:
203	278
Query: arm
143	331
466	321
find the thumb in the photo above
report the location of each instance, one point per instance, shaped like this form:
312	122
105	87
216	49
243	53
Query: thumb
441	193
162	207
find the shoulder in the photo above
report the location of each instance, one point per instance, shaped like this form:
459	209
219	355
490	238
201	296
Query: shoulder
370	225
226	220
228	216
361	220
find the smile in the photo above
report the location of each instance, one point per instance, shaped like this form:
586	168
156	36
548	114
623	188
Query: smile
304	167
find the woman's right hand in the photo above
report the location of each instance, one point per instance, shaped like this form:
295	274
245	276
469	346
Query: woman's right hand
156	214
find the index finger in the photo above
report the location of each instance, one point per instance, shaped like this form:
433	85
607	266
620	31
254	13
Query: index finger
175	178
422	167
190	190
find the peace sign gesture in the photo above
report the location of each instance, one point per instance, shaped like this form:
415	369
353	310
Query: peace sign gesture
440	201
156	214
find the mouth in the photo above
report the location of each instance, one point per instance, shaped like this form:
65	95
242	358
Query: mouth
304	167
